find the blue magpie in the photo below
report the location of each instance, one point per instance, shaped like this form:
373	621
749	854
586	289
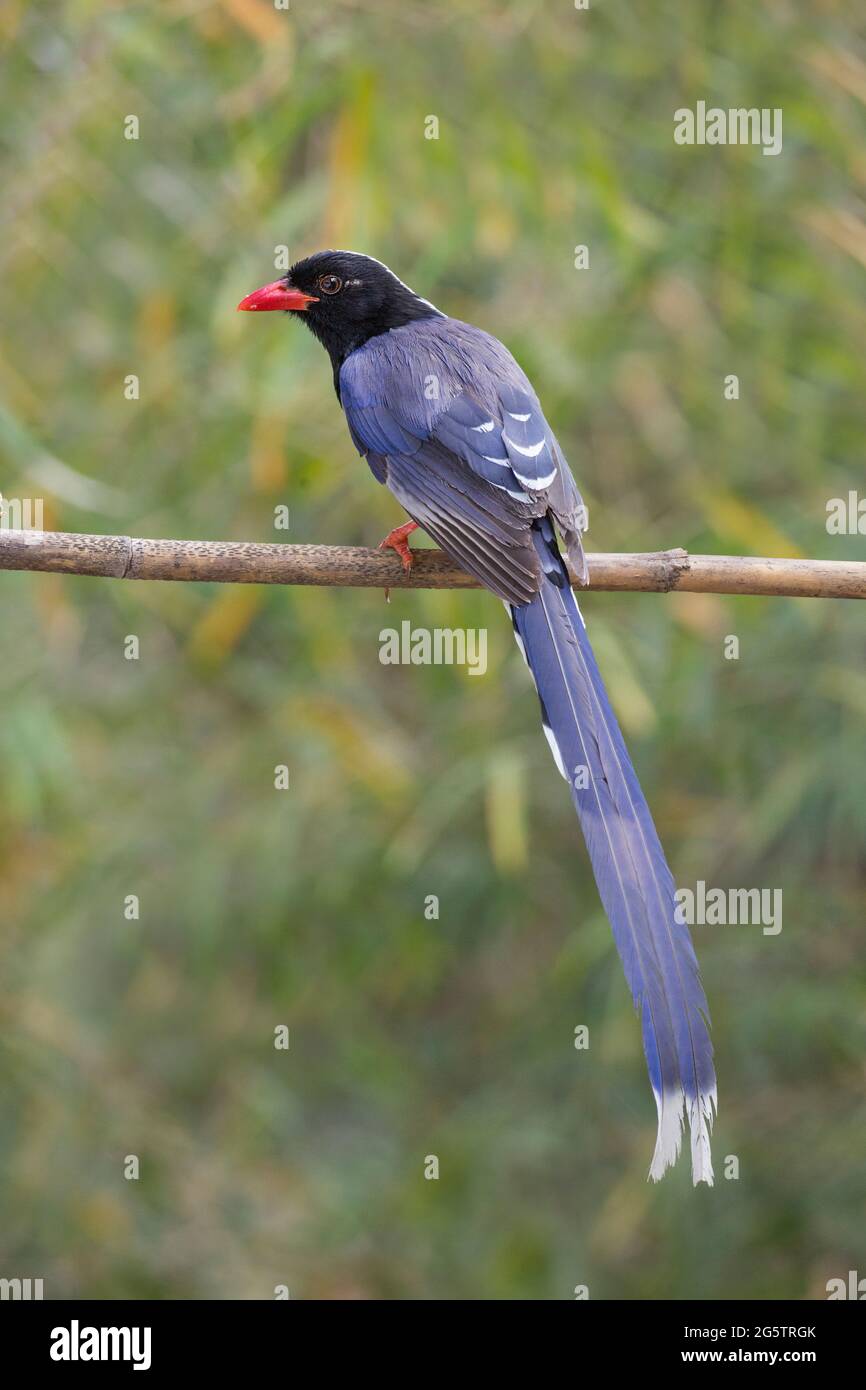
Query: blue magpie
447	420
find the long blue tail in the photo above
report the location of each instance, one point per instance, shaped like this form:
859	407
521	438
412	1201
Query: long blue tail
634	881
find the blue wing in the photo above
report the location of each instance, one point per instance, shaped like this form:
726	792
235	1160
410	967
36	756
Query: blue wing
473	466
454	478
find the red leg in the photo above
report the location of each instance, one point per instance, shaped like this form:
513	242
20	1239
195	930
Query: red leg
396	540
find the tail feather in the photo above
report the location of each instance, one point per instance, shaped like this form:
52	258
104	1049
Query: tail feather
634	881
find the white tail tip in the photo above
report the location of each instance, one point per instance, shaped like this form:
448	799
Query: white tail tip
672	1111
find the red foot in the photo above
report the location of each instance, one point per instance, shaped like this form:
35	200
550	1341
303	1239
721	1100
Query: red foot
396	540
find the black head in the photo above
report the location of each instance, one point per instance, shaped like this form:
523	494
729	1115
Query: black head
345	299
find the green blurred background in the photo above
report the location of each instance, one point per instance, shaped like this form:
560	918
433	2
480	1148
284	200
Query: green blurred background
412	1037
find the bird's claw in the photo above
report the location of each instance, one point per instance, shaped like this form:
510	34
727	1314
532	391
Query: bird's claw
396	540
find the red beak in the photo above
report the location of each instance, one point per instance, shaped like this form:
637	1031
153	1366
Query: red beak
277	295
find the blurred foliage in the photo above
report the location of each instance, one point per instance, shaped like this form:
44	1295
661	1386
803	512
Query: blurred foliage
411	1037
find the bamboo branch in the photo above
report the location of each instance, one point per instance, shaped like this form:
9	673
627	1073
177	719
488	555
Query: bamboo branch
245	562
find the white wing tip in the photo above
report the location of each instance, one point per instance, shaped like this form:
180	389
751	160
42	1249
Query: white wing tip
672	1111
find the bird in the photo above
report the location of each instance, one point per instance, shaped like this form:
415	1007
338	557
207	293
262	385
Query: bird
450	424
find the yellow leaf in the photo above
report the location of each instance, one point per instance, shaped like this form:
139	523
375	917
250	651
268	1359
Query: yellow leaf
268	454
347	160
368	754
731	516
704	614
156	321
505	805
633	706
224	623
260	19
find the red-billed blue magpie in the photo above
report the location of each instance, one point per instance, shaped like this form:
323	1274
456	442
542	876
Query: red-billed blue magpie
447	420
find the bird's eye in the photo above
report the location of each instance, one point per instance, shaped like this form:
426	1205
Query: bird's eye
330	284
